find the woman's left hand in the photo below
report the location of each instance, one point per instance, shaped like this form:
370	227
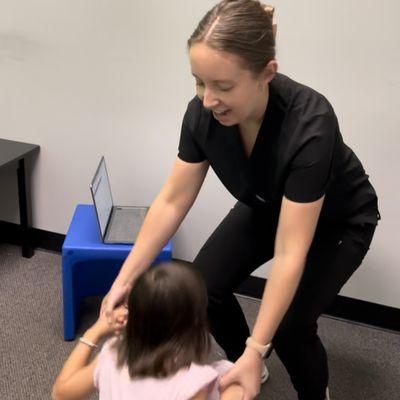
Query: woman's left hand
247	373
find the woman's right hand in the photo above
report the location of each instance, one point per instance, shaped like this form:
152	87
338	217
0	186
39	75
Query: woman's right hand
118	295
102	328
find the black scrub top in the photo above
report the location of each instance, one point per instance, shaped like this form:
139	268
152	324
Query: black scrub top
299	153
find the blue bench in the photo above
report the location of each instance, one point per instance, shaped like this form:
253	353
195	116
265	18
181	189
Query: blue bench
89	266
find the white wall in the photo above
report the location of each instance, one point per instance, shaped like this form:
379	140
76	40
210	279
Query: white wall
87	78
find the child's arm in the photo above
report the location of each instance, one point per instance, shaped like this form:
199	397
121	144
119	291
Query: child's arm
75	380
202	395
232	392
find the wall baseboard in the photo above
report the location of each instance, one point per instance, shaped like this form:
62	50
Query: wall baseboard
11	233
353	310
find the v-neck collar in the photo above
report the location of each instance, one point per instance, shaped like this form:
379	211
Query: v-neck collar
229	137
260	135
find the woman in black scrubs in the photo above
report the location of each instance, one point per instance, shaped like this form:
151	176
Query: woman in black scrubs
304	199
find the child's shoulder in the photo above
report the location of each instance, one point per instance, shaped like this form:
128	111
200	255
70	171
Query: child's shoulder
110	348
197	377
107	359
214	369
222	366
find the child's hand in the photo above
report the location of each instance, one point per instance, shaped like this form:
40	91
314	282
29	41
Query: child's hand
104	328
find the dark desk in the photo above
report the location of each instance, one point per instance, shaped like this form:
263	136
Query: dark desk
16	152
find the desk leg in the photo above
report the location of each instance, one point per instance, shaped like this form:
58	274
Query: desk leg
24	202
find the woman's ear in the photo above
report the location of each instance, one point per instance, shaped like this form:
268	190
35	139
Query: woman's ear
270	71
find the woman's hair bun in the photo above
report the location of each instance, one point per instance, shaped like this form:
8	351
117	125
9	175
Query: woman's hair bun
269	9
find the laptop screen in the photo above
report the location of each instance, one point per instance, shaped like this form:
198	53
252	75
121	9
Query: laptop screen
101	192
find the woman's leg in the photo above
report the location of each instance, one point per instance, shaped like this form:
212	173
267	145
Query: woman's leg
333	257
243	241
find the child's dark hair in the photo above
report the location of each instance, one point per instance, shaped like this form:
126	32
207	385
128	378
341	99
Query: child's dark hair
167	322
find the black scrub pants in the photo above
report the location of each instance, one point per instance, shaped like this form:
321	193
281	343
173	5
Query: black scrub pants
243	241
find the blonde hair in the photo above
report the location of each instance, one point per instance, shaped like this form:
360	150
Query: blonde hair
241	27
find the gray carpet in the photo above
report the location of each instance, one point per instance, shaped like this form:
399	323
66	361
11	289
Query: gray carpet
364	362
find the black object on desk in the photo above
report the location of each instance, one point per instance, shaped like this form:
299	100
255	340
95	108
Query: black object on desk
12	152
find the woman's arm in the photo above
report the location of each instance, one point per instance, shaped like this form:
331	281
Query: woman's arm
296	228
162	220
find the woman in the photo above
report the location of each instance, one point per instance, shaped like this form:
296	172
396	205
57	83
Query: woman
303	199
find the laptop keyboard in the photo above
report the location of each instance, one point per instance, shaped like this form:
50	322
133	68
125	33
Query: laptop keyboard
125	224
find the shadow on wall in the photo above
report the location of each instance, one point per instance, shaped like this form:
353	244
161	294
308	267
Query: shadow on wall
17	48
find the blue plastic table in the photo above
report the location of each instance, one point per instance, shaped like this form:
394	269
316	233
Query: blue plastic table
89	266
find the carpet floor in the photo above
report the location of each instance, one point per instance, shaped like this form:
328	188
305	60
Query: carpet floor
364	361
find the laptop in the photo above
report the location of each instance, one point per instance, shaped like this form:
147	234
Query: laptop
118	224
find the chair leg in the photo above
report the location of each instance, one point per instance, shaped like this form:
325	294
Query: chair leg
70	306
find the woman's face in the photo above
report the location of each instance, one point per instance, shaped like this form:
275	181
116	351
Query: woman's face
231	92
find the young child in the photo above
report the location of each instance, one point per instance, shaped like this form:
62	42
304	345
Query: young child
162	351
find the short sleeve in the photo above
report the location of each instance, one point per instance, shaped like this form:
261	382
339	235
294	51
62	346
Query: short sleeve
96	373
197	378
310	170
222	366
189	148
105	356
